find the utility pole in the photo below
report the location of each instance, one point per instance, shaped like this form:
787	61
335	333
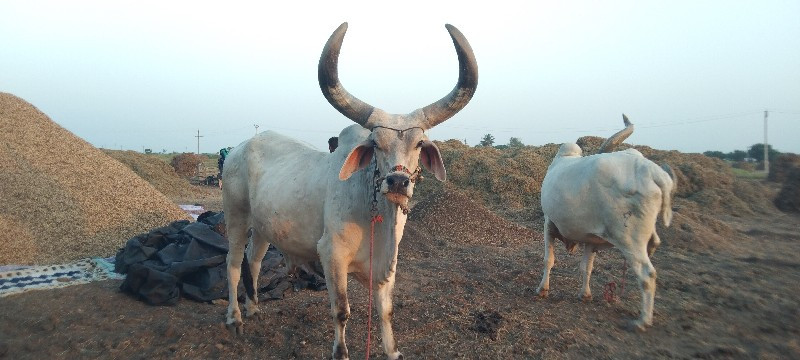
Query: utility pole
256	125
766	151
198	141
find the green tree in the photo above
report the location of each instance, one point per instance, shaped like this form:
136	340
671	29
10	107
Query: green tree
756	151
515	142
488	140
716	154
736	155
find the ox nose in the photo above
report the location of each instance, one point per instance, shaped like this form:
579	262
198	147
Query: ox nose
397	183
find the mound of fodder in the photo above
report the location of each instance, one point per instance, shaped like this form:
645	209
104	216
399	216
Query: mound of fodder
705	180
788	199
706	188
694	229
710	182
508	181
451	215
780	168
62	198
155	171
187	164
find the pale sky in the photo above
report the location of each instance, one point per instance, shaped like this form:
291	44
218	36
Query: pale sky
692	75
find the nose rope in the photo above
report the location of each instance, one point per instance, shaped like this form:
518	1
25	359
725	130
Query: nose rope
412	176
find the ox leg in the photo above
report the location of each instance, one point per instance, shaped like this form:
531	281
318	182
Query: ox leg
383	300
237	237
653	244
587	263
646	276
255	253
549	258
336	279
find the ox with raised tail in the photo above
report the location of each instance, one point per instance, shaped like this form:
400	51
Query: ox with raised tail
315	206
605	200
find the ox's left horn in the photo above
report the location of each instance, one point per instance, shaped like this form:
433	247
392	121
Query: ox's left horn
449	105
611	143
328	73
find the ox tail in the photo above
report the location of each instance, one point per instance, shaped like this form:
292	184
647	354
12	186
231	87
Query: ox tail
667	181
247	278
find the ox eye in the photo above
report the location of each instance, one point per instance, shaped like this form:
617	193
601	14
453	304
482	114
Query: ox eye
419	144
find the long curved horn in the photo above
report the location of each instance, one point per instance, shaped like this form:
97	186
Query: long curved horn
449	105
328	73
617	138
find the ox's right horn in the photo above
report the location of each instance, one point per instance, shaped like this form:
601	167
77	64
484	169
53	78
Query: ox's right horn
328	73
617	138
467	83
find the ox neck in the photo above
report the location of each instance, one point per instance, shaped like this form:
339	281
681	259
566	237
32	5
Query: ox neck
387	238
393	217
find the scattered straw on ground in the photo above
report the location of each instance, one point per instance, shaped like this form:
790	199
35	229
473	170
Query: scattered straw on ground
62	198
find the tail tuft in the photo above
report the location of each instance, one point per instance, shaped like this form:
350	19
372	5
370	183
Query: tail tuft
668	184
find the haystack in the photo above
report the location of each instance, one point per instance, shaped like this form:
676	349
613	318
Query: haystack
155	171
508	182
451	215
780	168
788	198
62	198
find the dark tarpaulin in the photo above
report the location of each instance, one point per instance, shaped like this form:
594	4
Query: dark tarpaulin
189	259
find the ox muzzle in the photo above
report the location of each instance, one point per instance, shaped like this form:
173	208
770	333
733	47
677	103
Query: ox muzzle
397	185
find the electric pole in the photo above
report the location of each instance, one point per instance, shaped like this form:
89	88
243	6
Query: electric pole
198	141
766	151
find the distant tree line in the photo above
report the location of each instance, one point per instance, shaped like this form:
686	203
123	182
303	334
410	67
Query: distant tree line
488	140
755	151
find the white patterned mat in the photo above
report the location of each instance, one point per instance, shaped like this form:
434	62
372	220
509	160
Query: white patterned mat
193	210
18	279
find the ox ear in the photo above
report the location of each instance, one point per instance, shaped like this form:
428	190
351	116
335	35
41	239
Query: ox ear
358	159
432	160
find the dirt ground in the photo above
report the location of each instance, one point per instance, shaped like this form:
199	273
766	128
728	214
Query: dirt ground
462	299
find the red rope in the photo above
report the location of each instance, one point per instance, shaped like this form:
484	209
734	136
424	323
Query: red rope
376	218
611	287
624	272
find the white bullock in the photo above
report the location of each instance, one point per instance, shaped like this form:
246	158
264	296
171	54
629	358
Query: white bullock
316	206
605	200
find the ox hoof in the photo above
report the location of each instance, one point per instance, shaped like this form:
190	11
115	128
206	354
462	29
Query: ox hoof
396	356
235	328
585	297
340	352
252	311
638	325
543	292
